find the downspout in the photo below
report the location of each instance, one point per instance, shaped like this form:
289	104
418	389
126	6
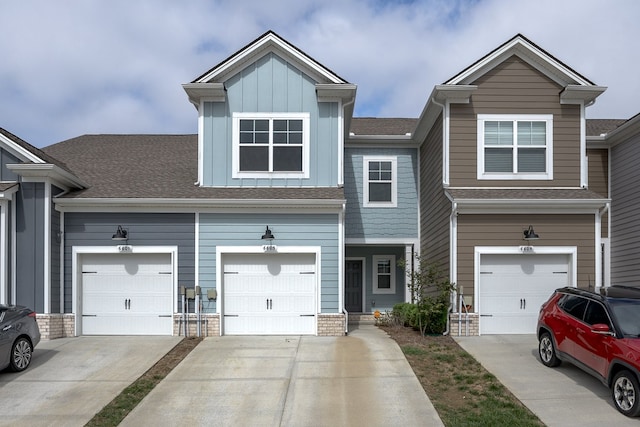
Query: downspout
453	221
599	268
342	220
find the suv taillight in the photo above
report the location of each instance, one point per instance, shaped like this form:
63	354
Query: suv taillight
32	314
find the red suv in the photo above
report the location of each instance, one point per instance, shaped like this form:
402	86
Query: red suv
599	333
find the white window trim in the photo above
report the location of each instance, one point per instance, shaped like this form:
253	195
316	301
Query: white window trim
392	288
305	145
394	181
548	118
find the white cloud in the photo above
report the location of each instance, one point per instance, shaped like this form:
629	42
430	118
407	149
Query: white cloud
86	66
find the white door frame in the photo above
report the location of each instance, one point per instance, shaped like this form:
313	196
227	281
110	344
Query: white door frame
571	251
266	250
76	274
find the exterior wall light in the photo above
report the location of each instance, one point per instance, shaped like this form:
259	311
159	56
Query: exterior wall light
529	234
121	234
268	236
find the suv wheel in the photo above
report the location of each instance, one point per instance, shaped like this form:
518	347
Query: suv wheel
626	393
547	351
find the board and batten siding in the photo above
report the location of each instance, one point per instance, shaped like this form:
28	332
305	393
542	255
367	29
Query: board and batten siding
514	87
625	205
30	223
145	229
6	158
271	85
373	222
506	230
54	259
217	229
435	207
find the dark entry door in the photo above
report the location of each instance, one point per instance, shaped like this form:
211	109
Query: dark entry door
353	286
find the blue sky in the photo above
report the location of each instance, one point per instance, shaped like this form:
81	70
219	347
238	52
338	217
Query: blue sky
74	67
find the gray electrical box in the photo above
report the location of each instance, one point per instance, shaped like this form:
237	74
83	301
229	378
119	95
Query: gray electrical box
191	293
182	289
212	294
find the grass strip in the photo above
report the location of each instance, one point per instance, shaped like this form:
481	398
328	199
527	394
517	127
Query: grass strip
130	397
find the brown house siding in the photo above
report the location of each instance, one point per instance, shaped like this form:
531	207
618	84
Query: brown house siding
506	230
514	87
435	208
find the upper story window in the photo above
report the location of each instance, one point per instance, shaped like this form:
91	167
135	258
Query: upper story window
515	146
380	181
271	145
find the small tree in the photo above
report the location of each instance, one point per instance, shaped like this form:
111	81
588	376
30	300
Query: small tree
430	293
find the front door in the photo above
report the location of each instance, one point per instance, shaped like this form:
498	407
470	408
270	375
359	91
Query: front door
353	286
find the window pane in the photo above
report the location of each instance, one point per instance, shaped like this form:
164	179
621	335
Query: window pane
262	137
385	176
498	160
295	138
532	160
279	125
254	158
384	281
532	133
295	125
498	133
287	159
246	125
384	266
279	138
246	137
374	167
262	125
379	192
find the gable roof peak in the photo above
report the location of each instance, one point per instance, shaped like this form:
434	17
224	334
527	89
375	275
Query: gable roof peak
269	42
529	52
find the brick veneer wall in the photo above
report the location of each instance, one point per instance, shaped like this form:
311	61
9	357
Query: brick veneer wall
458	325
56	325
209	325
331	325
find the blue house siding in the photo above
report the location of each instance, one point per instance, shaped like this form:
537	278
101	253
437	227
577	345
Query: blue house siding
369	222
373	301
145	229
289	230
270	85
30	245
7	158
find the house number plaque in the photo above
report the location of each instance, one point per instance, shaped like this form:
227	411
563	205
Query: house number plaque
125	249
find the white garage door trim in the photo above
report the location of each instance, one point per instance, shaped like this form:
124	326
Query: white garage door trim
266	251
570	251
76	273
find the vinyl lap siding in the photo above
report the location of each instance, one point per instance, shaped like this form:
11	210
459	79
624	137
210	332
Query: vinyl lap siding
625	196
514	87
145	229
435	207
599	179
288	229
506	230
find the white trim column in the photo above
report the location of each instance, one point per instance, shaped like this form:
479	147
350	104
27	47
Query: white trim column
4	252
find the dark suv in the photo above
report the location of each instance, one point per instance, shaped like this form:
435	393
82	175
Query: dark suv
599	333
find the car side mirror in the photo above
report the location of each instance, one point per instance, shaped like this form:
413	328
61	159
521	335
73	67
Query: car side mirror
601	329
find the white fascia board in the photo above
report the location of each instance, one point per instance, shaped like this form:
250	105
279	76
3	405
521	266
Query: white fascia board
18	150
328	92
9	192
37	172
375	141
538	59
531	206
576	94
382	241
189	205
597	142
269	43
212	92
455	94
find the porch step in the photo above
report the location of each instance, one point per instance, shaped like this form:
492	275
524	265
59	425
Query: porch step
361	318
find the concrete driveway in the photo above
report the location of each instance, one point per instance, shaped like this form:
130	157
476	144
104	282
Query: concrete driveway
359	380
563	396
71	379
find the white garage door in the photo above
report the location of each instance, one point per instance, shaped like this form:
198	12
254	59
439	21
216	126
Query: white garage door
513	287
269	294
127	294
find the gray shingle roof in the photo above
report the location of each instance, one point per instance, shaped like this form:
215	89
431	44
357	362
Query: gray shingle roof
35	151
4	186
596	127
523	194
155	167
382	126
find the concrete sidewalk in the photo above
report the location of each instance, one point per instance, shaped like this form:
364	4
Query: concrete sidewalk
564	396
359	380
